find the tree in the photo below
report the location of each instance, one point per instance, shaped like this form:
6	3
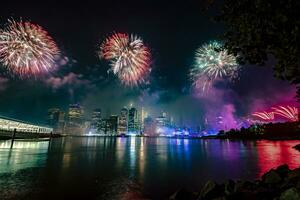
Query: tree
260	29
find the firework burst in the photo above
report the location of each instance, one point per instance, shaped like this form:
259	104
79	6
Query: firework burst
128	56
213	62
288	112
27	49
266	116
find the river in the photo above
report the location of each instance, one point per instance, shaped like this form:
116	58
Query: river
128	168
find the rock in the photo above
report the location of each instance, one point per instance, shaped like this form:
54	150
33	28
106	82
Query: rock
243	195
211	190
290	194
182	194
229	187
297	147
283	170
244	186
294	175
271	177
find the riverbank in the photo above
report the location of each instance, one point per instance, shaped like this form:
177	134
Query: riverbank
30	136
281	183
270	131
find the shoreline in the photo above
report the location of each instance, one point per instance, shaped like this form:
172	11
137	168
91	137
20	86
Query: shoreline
189	138
278	183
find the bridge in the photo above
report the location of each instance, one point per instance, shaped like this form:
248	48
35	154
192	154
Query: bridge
23	129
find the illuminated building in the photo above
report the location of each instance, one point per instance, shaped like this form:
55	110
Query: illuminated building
53	115
162	120
96	120
110	126
149	127
123	121
133	121
163	126
9	124
61	122
75	114
113	124
56	119
144	115
75	119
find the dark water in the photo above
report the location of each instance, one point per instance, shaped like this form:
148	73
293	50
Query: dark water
131	168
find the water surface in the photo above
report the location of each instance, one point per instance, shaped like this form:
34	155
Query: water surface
127	168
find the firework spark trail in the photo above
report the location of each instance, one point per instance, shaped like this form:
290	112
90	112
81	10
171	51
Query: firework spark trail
289	112
213	62
27	49
267	116
128	56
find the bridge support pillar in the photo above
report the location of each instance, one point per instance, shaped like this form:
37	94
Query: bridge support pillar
13	138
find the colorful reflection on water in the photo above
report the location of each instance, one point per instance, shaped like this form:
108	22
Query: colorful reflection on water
22	155
275	153
119	168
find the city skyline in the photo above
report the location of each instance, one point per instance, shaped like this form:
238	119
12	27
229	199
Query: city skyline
129	121
84	78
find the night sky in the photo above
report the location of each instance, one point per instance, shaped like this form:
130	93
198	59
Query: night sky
172	30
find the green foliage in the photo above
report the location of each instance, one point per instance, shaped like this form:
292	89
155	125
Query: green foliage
258	29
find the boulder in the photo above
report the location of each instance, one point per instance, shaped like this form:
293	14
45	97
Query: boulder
298	185
210	190
182	194
271	177
294	175
229	187
283	170
290	194
243	186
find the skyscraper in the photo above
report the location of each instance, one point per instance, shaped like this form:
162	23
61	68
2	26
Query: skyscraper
143	115
113	124
162	124
56	119
61	122
149	127
96	120
53	117
123	122
133	121
75	119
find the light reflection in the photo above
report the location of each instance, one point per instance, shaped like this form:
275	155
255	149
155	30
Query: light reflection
132	152
272	154
22	155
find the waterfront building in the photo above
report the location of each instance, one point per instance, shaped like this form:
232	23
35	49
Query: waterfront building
8	125
123	122
53	117
75	119
96	120
109	126
163	125
143	115
149	127
113	125
162	120
56	119
61	123
133	121
75	114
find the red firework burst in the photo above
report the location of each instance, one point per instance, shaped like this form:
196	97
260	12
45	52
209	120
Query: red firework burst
288	112
266	116
128	56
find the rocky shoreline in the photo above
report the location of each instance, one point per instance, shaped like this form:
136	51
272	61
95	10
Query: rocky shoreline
281	183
